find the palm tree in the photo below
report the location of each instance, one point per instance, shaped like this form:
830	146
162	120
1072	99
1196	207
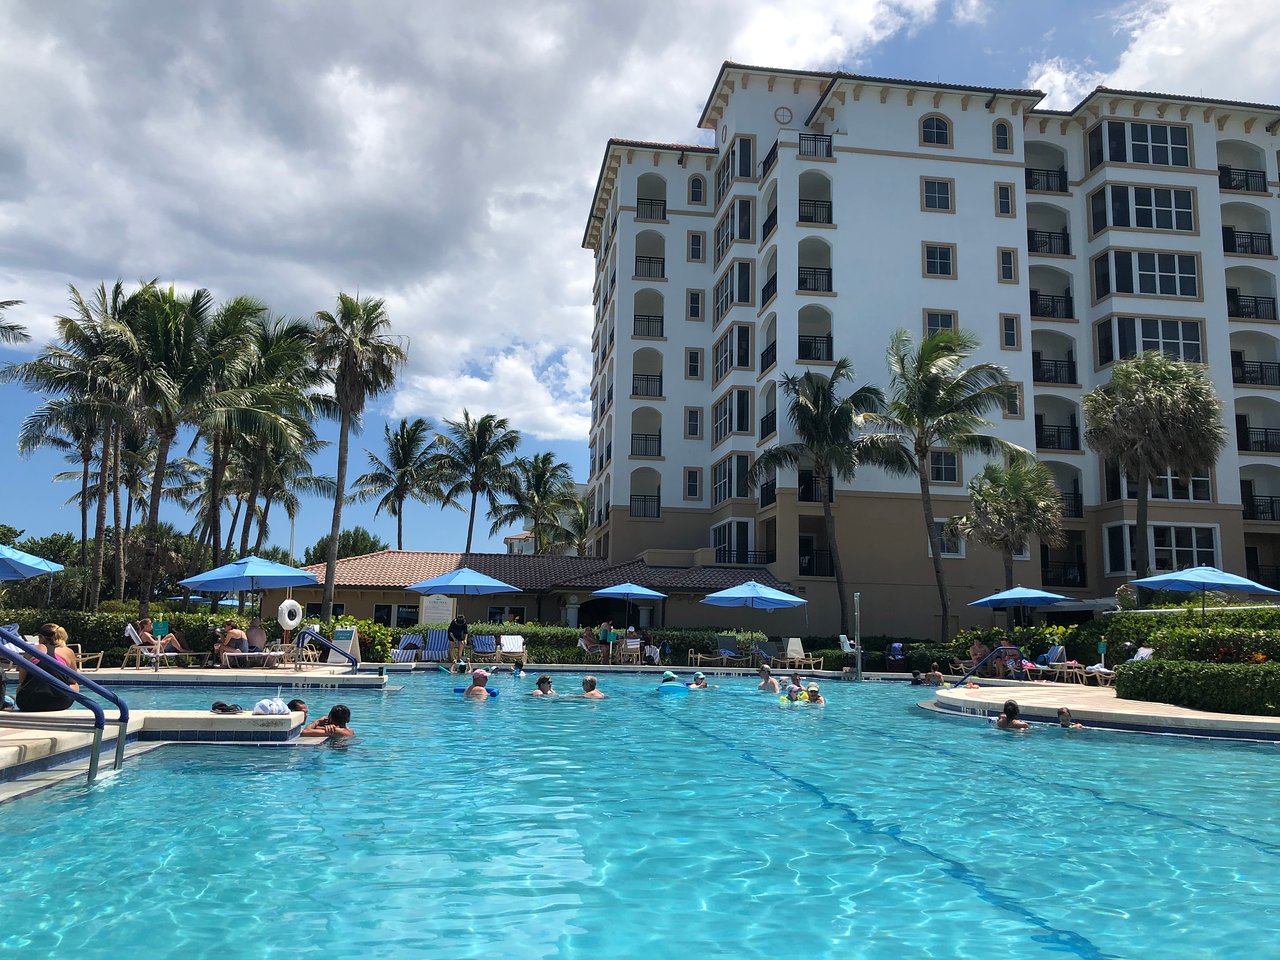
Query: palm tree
405	473
1010	505
353	346
11	332
542	490
572	528
827	425
938	403
475	457
288	474
1156	414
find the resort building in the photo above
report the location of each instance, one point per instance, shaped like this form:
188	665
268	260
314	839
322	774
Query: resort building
832	209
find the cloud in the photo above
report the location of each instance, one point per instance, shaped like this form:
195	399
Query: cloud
970	12
1064	83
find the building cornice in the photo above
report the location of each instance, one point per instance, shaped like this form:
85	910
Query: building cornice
615	151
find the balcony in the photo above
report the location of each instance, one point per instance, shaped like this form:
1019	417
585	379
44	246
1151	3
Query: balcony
1057	308
1244	307
1257	372
646	385
751	558
770	224
1054	371
646	444
1073	505
769	290
1046	181
816	563
1245	241
815	211
814	279
1237	178
815	145
1049	241
768	493
646	507
1262	508
1059	437
815	348
810	489
769	424
769	160
1062	573
651	268
1258	440
648	325
651	209
1265	574
768	356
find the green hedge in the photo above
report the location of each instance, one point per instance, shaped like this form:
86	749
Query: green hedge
1137	628
1216	644
1219	687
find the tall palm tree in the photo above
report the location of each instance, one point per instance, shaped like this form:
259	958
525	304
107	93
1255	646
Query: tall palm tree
1009	506
354	346
1156	414
542	490
289	474
936	402
475	457
827	424
11	332
404	475
572	528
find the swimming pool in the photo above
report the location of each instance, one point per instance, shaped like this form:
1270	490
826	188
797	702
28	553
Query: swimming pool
717	823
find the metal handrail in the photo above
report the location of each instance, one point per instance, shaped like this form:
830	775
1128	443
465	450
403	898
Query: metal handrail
12	638
307	634
990	656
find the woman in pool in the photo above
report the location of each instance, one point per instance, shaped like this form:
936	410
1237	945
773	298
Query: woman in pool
699	682
1008	720
814	694
589	689
333	724
1065	720
543	687
669	677
768	682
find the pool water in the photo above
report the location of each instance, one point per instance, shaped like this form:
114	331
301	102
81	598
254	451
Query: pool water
717	823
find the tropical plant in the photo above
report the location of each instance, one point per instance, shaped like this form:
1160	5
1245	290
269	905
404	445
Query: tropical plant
353	346
11	332
937	403
827	424
404	475
541	492
1156	414
474	457
572	528
355	542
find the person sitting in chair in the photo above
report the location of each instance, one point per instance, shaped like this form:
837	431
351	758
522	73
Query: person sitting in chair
589	643
233	641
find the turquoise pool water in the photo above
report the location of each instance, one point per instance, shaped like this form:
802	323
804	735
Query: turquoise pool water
717	824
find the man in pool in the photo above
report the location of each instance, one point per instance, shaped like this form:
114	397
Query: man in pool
589	689
477	691
333	724
814	694
699	682
1008	719
768	682
299	706
543	687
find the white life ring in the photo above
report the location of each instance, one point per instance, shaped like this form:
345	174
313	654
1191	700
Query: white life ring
289	615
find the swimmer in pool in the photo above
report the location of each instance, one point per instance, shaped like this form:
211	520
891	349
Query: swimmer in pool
334	724
699	682
543	688
669	677
768	682
1008	720
477	691
1065	720
814	694
794	692
589	689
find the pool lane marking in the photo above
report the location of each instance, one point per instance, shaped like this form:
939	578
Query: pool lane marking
1078	944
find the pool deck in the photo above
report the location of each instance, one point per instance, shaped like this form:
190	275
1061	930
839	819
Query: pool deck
321	676
1098	707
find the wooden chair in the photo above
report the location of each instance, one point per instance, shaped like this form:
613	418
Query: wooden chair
484	650
511	649
795	658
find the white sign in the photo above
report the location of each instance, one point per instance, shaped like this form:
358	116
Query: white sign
436	609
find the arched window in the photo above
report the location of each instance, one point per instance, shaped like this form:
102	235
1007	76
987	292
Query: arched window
935	131
1002	137
697	189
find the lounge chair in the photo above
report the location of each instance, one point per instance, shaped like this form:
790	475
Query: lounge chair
484	649
727	654
895	657
298	650
437	646
597	653
629	650
795	658
511	649
83	660
1047	663
148	654
1102	676
408	648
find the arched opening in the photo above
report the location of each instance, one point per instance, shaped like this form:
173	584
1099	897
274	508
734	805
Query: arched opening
1067	479
815	266
1053	357
1048	229
769	404
646	432
769	289
769	337
1251	294
815	197
815	340
651	197
1246	228
935	130
1051	293
1057	423
1260	492
648	311
1255	359
771	212
1002	136
606	495
646	493
1257	425
697	189
1242	167
608	435
1046	170
646	373
651	260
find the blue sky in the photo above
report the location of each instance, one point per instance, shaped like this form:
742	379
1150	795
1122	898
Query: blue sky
447	164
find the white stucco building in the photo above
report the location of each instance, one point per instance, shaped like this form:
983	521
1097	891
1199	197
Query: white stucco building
833	209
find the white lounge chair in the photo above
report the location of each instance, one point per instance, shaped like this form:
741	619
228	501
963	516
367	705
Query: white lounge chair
511	648
795	658
146	654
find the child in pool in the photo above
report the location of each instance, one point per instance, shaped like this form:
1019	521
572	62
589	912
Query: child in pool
1008	720
1065	720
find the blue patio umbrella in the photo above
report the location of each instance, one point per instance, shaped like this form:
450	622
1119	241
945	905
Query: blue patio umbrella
16	565
249	573
1203	579
201	601
1020	597
462	582
753	594
629	592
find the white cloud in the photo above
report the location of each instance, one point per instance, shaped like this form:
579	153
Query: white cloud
971	11
1064	83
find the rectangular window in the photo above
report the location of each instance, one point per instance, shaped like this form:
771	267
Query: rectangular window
944	466
721	480
406	615
935	195
745	211
693	304
1173	547
1097	211
697	246
1148	208
1165	486
1179	339
1146	272
952	546
1007	265
1004	200
746	164
693	423
1095	146
1013	405
1101	276
381	614
732	351
940	260
736	224
1010	331
1106	349
935	321
693	364
692	483
721	417
313	609
1158	144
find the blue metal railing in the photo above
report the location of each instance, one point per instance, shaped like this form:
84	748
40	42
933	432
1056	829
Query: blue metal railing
995	654
307	634
11	642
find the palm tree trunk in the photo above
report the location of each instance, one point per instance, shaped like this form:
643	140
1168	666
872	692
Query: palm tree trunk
85	456
335	528
400	526
1007	556
214	507
262	524
255	484
1142	562
935	542
115	509
231	534
152	546
100	521
471	521
829	518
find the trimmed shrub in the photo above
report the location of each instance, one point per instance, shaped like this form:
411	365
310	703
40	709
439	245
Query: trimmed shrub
1136	629
1219	687
1216	644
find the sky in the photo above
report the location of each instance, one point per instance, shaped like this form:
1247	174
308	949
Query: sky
442	156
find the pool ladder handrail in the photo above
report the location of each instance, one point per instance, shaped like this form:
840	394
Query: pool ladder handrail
11	638
990	656
307	634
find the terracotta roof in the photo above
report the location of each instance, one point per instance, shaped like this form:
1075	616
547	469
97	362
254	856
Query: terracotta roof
399	568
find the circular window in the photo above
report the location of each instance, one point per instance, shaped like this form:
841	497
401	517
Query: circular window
782	114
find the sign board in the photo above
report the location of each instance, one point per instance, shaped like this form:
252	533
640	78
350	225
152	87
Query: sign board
436	609
344	638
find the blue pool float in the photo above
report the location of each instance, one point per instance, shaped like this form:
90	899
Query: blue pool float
670	688
492	693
